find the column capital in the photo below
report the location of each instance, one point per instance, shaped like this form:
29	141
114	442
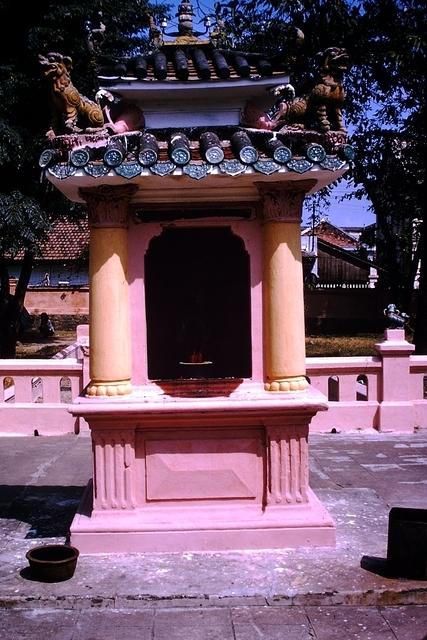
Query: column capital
282	201
105	204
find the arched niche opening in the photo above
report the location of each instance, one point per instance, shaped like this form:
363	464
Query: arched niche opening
65	391
362	388
198	305
8	389
333	389
36	389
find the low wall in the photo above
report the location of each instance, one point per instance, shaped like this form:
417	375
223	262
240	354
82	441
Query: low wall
362	395
346	310
57	301
329	310
387	392
35	395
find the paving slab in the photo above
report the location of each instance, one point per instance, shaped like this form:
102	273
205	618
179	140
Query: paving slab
112	624
235	623
407	623
291	623
352	623
202	624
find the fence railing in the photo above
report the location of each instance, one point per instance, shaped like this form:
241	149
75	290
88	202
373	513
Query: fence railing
342	285
361	397
35	394
387	392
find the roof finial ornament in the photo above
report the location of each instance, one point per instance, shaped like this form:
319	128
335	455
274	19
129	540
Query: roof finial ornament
185	18
186	33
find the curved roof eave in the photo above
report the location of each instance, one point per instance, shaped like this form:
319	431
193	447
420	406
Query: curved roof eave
137	88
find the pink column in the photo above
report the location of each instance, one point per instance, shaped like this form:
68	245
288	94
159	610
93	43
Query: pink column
396	411
283	289
109	325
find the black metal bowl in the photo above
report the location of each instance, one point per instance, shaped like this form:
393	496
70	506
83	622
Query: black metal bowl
52	562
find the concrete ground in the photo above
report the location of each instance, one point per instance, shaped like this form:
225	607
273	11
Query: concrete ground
303	594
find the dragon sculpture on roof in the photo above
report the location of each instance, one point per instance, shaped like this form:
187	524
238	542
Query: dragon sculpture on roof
320	109
73	112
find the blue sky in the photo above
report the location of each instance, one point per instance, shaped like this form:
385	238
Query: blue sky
347	213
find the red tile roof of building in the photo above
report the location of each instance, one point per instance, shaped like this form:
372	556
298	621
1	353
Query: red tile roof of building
67	240
334	235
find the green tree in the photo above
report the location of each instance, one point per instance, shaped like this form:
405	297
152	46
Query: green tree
27	205
385	112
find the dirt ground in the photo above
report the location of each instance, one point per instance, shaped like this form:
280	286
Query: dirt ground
339	346
34	345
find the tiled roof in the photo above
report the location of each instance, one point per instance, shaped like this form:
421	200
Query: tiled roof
66	240
195	152
190	63
335	236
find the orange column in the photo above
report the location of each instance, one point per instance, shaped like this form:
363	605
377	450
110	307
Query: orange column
283	295
109	325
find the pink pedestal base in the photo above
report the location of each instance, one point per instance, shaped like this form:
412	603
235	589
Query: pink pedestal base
207	529
205	474
396	416
396	411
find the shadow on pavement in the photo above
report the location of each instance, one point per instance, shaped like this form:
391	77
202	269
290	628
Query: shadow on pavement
376	565
48	510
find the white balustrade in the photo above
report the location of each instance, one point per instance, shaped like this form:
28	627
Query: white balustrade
34	394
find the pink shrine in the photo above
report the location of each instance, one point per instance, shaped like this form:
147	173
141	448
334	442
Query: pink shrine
198	404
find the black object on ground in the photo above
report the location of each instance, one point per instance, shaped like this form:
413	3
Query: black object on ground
407	543
52	562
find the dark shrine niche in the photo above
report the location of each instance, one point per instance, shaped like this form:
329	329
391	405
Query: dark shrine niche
198	305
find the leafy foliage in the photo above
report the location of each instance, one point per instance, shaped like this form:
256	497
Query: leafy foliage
22	223
386	112
27	205
40	27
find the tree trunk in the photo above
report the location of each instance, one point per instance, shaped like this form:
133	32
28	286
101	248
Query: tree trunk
394	255
11	306
420	335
